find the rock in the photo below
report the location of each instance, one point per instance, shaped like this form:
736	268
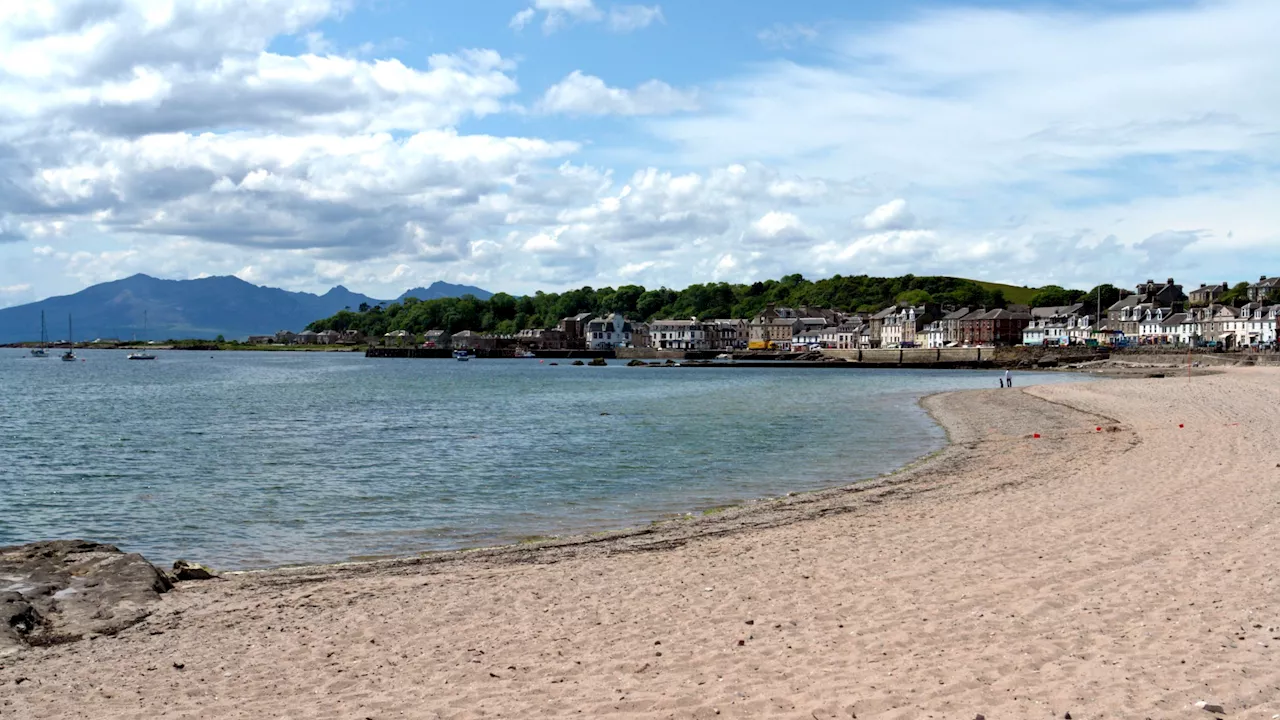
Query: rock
63	590
578	362
1211	707
183	570
637	363
597	362
1066	716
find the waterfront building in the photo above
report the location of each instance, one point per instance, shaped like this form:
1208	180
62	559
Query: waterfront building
731	333
609	332
679	335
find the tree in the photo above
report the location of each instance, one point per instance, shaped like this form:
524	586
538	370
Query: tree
915	297
1109	294
1054	296
1238	295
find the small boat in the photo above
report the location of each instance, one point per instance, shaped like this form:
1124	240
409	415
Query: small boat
70	354
525	354
43	350
461	355
143	355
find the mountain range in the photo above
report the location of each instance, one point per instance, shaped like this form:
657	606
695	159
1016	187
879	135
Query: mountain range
179	309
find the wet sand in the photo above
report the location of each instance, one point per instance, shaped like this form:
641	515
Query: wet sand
1123	573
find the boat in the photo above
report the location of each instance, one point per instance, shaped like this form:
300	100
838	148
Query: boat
70	354
525	354
461	355
143	355
43	350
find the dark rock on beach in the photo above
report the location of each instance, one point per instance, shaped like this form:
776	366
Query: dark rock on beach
63	590
183	570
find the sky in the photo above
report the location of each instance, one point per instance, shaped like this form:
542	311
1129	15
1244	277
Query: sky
530	145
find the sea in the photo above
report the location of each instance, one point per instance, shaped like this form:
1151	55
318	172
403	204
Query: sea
244	460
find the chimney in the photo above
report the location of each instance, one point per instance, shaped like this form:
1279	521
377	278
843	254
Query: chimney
1170	281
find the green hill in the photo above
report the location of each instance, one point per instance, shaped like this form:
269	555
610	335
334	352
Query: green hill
1012	293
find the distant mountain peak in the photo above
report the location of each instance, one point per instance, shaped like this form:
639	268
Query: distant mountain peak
196	308
442	289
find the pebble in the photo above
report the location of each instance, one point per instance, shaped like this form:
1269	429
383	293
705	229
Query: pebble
1210	707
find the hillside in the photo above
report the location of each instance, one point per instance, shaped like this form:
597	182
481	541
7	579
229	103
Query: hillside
203	308
1012	293
505	314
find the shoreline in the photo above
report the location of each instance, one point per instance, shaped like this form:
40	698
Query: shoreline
1118	565
694	520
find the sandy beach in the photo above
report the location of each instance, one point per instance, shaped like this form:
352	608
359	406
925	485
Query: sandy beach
1122	573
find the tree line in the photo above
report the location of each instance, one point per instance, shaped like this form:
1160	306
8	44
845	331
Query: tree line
507	314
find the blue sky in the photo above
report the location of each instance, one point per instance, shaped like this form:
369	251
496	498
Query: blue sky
548	144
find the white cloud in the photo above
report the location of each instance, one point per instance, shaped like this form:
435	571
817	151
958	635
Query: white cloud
559	14
786	36
581	94
629	18
892	215
180	139
522	18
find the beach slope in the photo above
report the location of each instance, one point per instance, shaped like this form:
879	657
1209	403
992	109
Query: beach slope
1127	572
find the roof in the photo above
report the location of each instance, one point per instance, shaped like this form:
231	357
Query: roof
956	314
1055	310
1174	319
892	309
1003	314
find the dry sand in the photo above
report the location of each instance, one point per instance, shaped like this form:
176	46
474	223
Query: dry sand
1121	574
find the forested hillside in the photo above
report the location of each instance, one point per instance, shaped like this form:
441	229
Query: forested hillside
507	314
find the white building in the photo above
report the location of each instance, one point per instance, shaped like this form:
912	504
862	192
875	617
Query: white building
679	335
609	332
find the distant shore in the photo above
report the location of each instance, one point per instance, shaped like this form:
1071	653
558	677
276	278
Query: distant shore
1071	551
197	345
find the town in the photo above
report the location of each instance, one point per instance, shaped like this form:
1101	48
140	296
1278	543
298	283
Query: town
1154	313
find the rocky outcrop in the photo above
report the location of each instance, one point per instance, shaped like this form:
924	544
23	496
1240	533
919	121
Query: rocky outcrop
63	590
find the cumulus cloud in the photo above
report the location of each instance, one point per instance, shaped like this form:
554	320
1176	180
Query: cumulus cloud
892	215
786	36
776	230
181	139
581	94
558	14
629	18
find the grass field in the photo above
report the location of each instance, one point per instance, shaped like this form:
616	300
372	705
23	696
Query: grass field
1012	293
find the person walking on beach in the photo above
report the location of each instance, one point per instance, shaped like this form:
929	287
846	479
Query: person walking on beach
1002	382
1008	379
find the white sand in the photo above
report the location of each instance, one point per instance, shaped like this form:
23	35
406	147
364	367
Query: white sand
1121	574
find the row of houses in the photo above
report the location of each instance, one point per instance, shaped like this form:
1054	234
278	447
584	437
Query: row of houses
1156	312
309	337
1159	313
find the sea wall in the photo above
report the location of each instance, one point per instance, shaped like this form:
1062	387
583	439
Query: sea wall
1166	357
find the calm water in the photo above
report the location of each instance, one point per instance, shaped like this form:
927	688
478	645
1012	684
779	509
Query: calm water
258	459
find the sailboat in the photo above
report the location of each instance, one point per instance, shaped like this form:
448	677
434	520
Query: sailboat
70	354
142	355
43	350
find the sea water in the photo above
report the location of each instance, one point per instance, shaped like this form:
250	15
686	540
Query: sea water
258	459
